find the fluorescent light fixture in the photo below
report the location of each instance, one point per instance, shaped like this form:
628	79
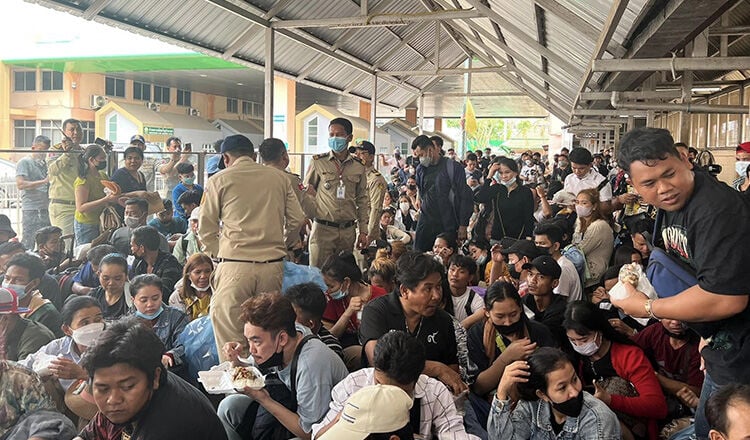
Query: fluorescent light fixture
706	89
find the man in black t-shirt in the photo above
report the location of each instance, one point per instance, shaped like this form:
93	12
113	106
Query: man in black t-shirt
705	226
548	307
414	307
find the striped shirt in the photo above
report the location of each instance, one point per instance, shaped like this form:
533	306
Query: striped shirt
438	415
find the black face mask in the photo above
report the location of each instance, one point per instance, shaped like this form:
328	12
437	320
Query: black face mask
513	272
571	407
512	329
412	187
276	360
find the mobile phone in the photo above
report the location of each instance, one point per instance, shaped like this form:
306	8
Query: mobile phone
101	142
188	147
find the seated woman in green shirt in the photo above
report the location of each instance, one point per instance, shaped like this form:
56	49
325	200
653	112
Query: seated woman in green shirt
89	191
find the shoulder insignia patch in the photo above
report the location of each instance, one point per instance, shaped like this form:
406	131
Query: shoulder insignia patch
320	156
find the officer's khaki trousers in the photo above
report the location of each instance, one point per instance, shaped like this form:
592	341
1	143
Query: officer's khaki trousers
326	241
62	216
233	283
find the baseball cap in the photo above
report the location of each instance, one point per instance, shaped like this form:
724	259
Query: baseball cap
523	248
5	226
212	164
546	265
138	138
196	213
9	303
375	409
231	143
564	198
745	146
364	145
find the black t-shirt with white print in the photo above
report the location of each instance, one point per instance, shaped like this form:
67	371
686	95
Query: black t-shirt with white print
710	233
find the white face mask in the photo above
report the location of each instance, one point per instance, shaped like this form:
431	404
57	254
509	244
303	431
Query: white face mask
199	289
741	166
587	349
86	335
404	206
583	211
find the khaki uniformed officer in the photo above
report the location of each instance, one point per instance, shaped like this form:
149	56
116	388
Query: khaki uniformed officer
339	184
273	153
260	218
376	186
63	170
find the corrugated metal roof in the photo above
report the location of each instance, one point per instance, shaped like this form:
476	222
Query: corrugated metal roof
214	26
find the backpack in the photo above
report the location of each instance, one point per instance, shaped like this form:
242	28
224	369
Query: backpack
667	274
577	257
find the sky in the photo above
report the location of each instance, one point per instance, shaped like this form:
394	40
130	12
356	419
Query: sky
40	32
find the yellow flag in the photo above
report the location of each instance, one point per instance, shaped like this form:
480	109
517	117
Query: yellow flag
470	119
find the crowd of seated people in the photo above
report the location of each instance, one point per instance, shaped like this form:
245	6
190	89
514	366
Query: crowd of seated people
525	323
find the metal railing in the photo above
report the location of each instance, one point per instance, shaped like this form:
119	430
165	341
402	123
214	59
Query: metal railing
10	196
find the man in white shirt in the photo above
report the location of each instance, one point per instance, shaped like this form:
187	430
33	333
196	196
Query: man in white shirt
399	360
584	176
549	236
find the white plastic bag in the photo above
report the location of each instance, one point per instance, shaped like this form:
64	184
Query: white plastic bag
629	273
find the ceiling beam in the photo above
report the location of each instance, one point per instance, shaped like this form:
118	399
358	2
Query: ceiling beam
506	25
579	24
654	94
667	64
172	39
529	66
276	8
443	72
305	39
728	30
605	112
675	23
95	8
473	94
377	19
610	25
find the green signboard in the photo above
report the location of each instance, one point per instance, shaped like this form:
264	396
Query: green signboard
158	131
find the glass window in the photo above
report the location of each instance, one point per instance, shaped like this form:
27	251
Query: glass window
24	81
312	132
247	107
161	94
184	98
49	129
114	87
52	80
141	91
23	133
112	127
88	132
257	110
232	105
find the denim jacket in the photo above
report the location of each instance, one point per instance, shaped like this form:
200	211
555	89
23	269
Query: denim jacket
168	327
531	421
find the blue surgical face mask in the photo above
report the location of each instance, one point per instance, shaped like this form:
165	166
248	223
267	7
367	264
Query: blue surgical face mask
150	317
188	180
20	290
337	144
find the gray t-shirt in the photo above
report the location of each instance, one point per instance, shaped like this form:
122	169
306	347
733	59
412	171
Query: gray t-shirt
121	241
319	369
33	170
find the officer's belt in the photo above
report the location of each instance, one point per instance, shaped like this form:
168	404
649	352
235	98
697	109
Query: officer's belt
229	260
341	225
62	202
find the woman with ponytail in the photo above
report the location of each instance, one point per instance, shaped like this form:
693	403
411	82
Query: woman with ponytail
89	191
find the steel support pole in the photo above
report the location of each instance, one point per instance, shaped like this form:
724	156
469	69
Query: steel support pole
373	110
268	84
